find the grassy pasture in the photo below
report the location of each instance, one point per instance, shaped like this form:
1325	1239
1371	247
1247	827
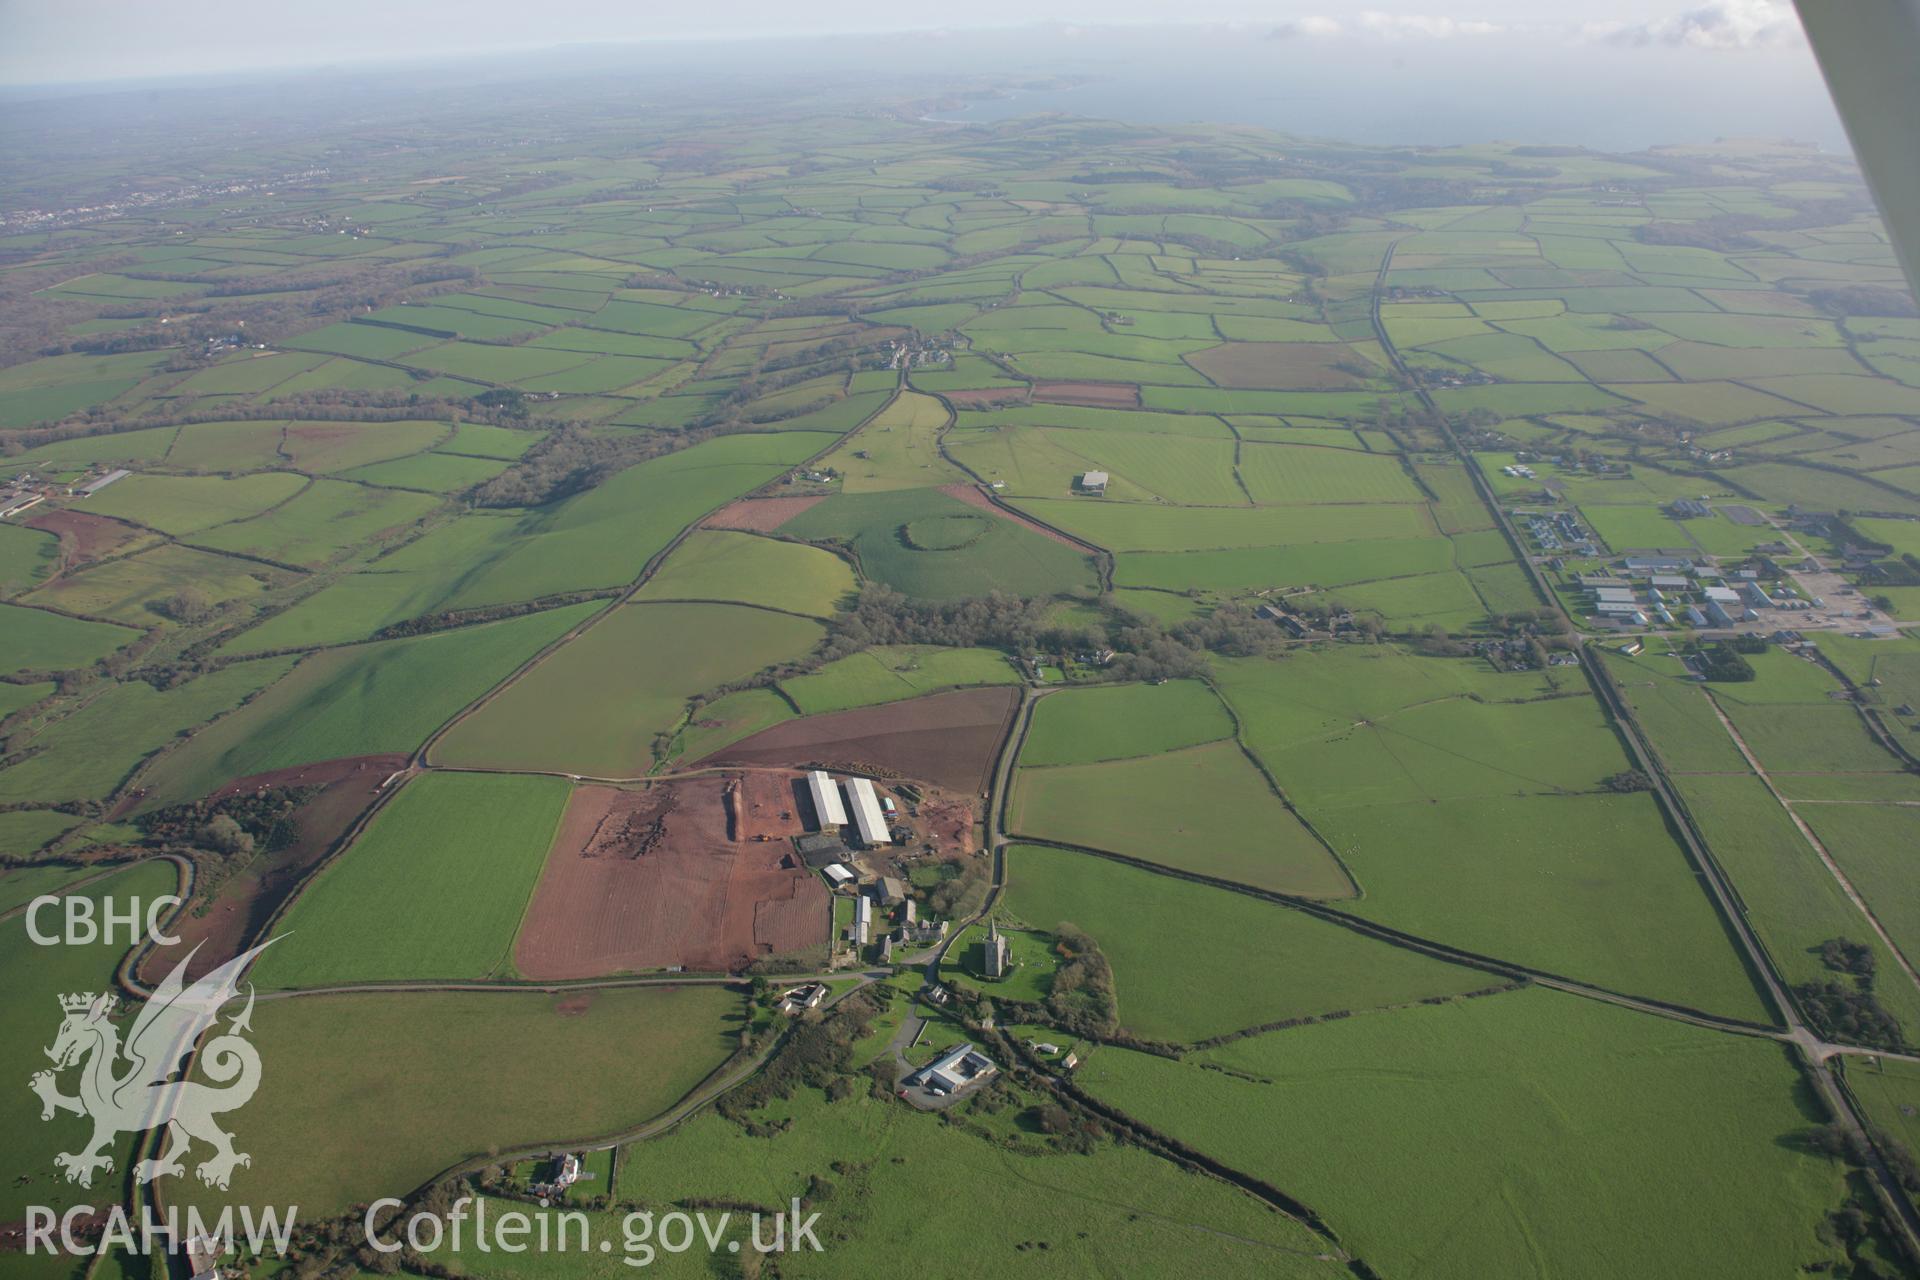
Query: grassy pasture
1878	846
126	590
25	557
1440	1174
900	447
1313	564
1575	885
360	700
188	504
1279	473
90	752
37	976
596	705
888	673
716	564
36	640
1046	462
1114	722
430	472
344	1113
1793	903
320	523
1122	527
433	888
1796	738
1204	809
1007	556
1182	953
728	719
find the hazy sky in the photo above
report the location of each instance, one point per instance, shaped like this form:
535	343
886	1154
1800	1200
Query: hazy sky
49	41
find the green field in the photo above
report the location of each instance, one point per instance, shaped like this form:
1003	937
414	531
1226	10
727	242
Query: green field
1005	557
345	1113
321	523
888	673
1422	1132
36	640
38	976
128	590
361	700
717	564
1191	961
433	888
188	504
1203	809
1084	726
92	751
596	705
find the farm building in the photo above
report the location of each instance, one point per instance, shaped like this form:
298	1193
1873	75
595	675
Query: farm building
872	823
955	1069
827	809
95	486
838	874
891	891
862	920
820	851
1092	482
1659	564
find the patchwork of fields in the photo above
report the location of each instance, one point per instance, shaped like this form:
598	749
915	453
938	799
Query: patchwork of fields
1191	540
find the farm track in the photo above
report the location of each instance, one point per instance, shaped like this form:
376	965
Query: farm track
1816	844
1897	1208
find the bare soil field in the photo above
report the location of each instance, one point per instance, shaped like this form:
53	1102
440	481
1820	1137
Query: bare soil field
696	872
243	903
971	495
83	537
1100	395
760	515
1312	366
948	739
986	397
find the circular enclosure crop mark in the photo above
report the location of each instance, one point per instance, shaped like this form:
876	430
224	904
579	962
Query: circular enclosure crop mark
943	533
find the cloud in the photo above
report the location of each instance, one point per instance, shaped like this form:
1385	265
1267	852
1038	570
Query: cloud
1397	26
1312	25
1722	24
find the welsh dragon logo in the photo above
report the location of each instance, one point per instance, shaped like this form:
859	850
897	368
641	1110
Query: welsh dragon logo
128	1088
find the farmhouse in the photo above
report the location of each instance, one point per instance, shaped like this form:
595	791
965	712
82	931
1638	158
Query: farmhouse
867	816
954	1070
1092	482
806	996
827	809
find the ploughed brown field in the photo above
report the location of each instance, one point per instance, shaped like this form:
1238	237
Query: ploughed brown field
671	874
761	515
985	397
242	904
84	537
1101	395
948	739
971	495
1312	366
